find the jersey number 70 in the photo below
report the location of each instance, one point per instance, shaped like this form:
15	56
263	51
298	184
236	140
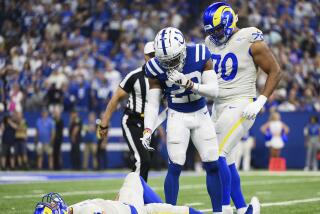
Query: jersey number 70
223	65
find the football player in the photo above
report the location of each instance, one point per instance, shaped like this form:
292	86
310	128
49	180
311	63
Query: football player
183	73
236	54
135	197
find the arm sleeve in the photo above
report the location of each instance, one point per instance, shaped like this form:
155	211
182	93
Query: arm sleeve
152	108
209	87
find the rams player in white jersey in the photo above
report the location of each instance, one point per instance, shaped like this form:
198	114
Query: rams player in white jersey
135	197
236	54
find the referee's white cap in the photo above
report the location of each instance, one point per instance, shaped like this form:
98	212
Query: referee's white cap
149	48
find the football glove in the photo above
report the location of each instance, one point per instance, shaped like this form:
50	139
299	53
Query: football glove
102	131
251	110
146	139
180	79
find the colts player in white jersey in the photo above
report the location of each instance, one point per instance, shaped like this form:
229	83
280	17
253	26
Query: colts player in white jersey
236	54
135	197
183	73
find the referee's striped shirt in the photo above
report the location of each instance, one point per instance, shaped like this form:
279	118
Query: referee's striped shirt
136	85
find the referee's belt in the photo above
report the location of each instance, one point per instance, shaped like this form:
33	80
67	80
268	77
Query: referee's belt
133	113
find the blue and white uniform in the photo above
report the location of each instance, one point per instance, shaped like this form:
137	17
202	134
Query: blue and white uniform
184	100
188	114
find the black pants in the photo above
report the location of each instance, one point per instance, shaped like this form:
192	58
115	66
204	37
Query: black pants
75	156
101	156
132	127
57	155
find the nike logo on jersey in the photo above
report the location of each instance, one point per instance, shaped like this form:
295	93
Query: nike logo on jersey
231	107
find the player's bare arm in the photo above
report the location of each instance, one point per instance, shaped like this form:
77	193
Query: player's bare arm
119	95
263	58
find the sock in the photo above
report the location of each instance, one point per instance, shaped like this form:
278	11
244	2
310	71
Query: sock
214	185
225	180
236	193
171	183
149	196
249	210
193	211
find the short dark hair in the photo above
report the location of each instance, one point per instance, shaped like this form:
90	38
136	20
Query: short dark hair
151	55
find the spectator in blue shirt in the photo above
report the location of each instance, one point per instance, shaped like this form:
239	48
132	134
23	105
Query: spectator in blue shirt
312	142
104	44
90	142
44	137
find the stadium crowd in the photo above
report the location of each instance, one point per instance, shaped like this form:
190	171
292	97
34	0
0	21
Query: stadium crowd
63	55
74	53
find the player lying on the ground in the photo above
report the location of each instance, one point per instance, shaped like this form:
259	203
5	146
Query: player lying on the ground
135	197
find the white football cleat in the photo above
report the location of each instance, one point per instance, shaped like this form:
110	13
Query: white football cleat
255	205
227	209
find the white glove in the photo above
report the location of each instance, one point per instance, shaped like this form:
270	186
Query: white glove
146	139
180	79
250	111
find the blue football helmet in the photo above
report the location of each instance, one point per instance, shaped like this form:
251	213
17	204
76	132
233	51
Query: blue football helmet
52	203
219	22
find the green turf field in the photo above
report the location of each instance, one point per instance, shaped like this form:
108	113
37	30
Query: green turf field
293	192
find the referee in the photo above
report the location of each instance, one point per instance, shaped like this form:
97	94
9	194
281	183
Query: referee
134	87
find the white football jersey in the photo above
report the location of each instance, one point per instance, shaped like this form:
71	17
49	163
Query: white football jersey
100	206
234	65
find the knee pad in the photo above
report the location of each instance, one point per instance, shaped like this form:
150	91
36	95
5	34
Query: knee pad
210	154
177	157
210	166
174	169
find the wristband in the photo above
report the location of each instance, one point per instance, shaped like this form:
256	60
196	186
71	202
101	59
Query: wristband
262	100
103	127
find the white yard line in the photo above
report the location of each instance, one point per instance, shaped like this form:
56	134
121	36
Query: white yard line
194	204
263	193
288	203
87	192
282	203
297	173
182	187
